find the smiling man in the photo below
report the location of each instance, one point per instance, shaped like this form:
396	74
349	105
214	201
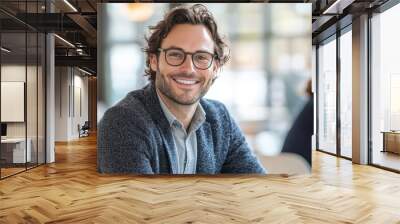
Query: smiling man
167	127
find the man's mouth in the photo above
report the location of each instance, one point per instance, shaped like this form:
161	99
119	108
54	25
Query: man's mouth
185	81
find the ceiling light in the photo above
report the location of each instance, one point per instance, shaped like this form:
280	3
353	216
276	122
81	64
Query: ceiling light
70	5
84	71
5	50
139	12
337	7
64	40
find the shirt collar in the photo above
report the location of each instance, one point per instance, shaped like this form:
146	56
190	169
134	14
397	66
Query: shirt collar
198	118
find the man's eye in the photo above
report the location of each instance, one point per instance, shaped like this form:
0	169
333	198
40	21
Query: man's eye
202	58
175	55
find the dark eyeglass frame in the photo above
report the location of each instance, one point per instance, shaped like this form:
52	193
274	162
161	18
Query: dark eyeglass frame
185	54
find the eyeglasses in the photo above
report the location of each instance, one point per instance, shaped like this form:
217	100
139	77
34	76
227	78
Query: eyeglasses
175	57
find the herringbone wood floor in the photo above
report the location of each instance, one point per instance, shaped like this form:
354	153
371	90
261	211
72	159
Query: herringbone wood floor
70	191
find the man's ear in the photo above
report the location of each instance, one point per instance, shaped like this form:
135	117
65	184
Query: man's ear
153	62
215	68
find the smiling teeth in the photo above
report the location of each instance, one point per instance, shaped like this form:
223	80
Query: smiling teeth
187	82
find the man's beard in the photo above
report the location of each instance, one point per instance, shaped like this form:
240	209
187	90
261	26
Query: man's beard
186	98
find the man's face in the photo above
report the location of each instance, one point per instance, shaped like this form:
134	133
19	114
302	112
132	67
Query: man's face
184	84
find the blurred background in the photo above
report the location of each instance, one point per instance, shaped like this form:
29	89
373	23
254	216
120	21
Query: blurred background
263	85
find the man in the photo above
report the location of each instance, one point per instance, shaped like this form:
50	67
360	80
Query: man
166	127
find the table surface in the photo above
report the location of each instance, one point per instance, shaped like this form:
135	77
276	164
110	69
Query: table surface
391	132
13	140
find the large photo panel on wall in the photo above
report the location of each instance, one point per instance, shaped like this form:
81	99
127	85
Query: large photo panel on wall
212	88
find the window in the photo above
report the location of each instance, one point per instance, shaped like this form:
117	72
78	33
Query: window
385	87
327	96
346	94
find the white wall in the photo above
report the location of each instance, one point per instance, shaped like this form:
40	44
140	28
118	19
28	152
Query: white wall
71	94
81	104
12	73
33	126
61	103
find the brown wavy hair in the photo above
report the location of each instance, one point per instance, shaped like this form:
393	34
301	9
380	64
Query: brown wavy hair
197	14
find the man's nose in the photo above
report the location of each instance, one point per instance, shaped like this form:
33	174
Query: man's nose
188	65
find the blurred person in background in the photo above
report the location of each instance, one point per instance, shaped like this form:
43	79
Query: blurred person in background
298	138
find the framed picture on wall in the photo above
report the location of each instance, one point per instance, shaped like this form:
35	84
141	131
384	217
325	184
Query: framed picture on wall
12	101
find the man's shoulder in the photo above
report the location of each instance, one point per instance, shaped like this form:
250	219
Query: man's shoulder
132	100
131	106
214	109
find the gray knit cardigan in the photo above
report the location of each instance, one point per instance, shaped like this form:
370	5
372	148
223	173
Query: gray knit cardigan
134	137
